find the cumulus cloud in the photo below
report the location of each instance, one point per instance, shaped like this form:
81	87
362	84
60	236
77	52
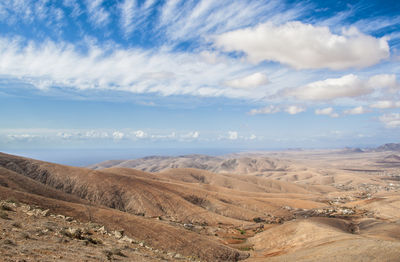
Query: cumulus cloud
271	109
140	134
96	134
190	136
345	86
194	134
391	120
326	111
251	81
356	111
232	135
117	135
305	46
293	110
386	104
383	80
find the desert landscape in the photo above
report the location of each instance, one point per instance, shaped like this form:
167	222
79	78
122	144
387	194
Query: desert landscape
177	130
293	205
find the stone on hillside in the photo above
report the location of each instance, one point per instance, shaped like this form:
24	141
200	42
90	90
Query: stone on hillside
118	233
45	213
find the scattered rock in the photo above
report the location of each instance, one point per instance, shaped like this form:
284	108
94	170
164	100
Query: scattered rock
188	226
118	233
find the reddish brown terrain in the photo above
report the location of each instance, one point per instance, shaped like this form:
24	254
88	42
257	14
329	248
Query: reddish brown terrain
340	205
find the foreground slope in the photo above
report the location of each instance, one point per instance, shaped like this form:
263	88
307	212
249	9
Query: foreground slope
226	216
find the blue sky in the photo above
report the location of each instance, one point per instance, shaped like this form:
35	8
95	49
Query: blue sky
198	74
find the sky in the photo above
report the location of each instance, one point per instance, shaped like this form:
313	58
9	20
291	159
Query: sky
198	74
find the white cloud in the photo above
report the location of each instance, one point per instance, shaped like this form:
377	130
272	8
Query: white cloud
170	136
140	134
190	19
391	120
96	134
128	12
98	15
271	109
356	111
232	135
76	10
382	81
293	110
306	46
252	137
118	135
326	111
190	136
23	137
64	135
386	104
194	134
251	81
133	70
345	86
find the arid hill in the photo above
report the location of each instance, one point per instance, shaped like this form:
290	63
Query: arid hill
389	147
259	206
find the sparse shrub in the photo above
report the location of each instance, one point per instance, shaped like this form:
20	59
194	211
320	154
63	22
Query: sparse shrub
50	228
258	220
242	232
63	240
9	242
94	241
87	231
198	201
25	235
247	248
72	232
117	252
225	201
5	207
113	252
16	224
12	200
108	254
4	215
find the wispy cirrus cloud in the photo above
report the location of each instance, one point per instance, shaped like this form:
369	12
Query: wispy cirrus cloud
194	19
98	15
133	70
128	12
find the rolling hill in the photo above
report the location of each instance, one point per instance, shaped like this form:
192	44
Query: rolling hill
253	207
